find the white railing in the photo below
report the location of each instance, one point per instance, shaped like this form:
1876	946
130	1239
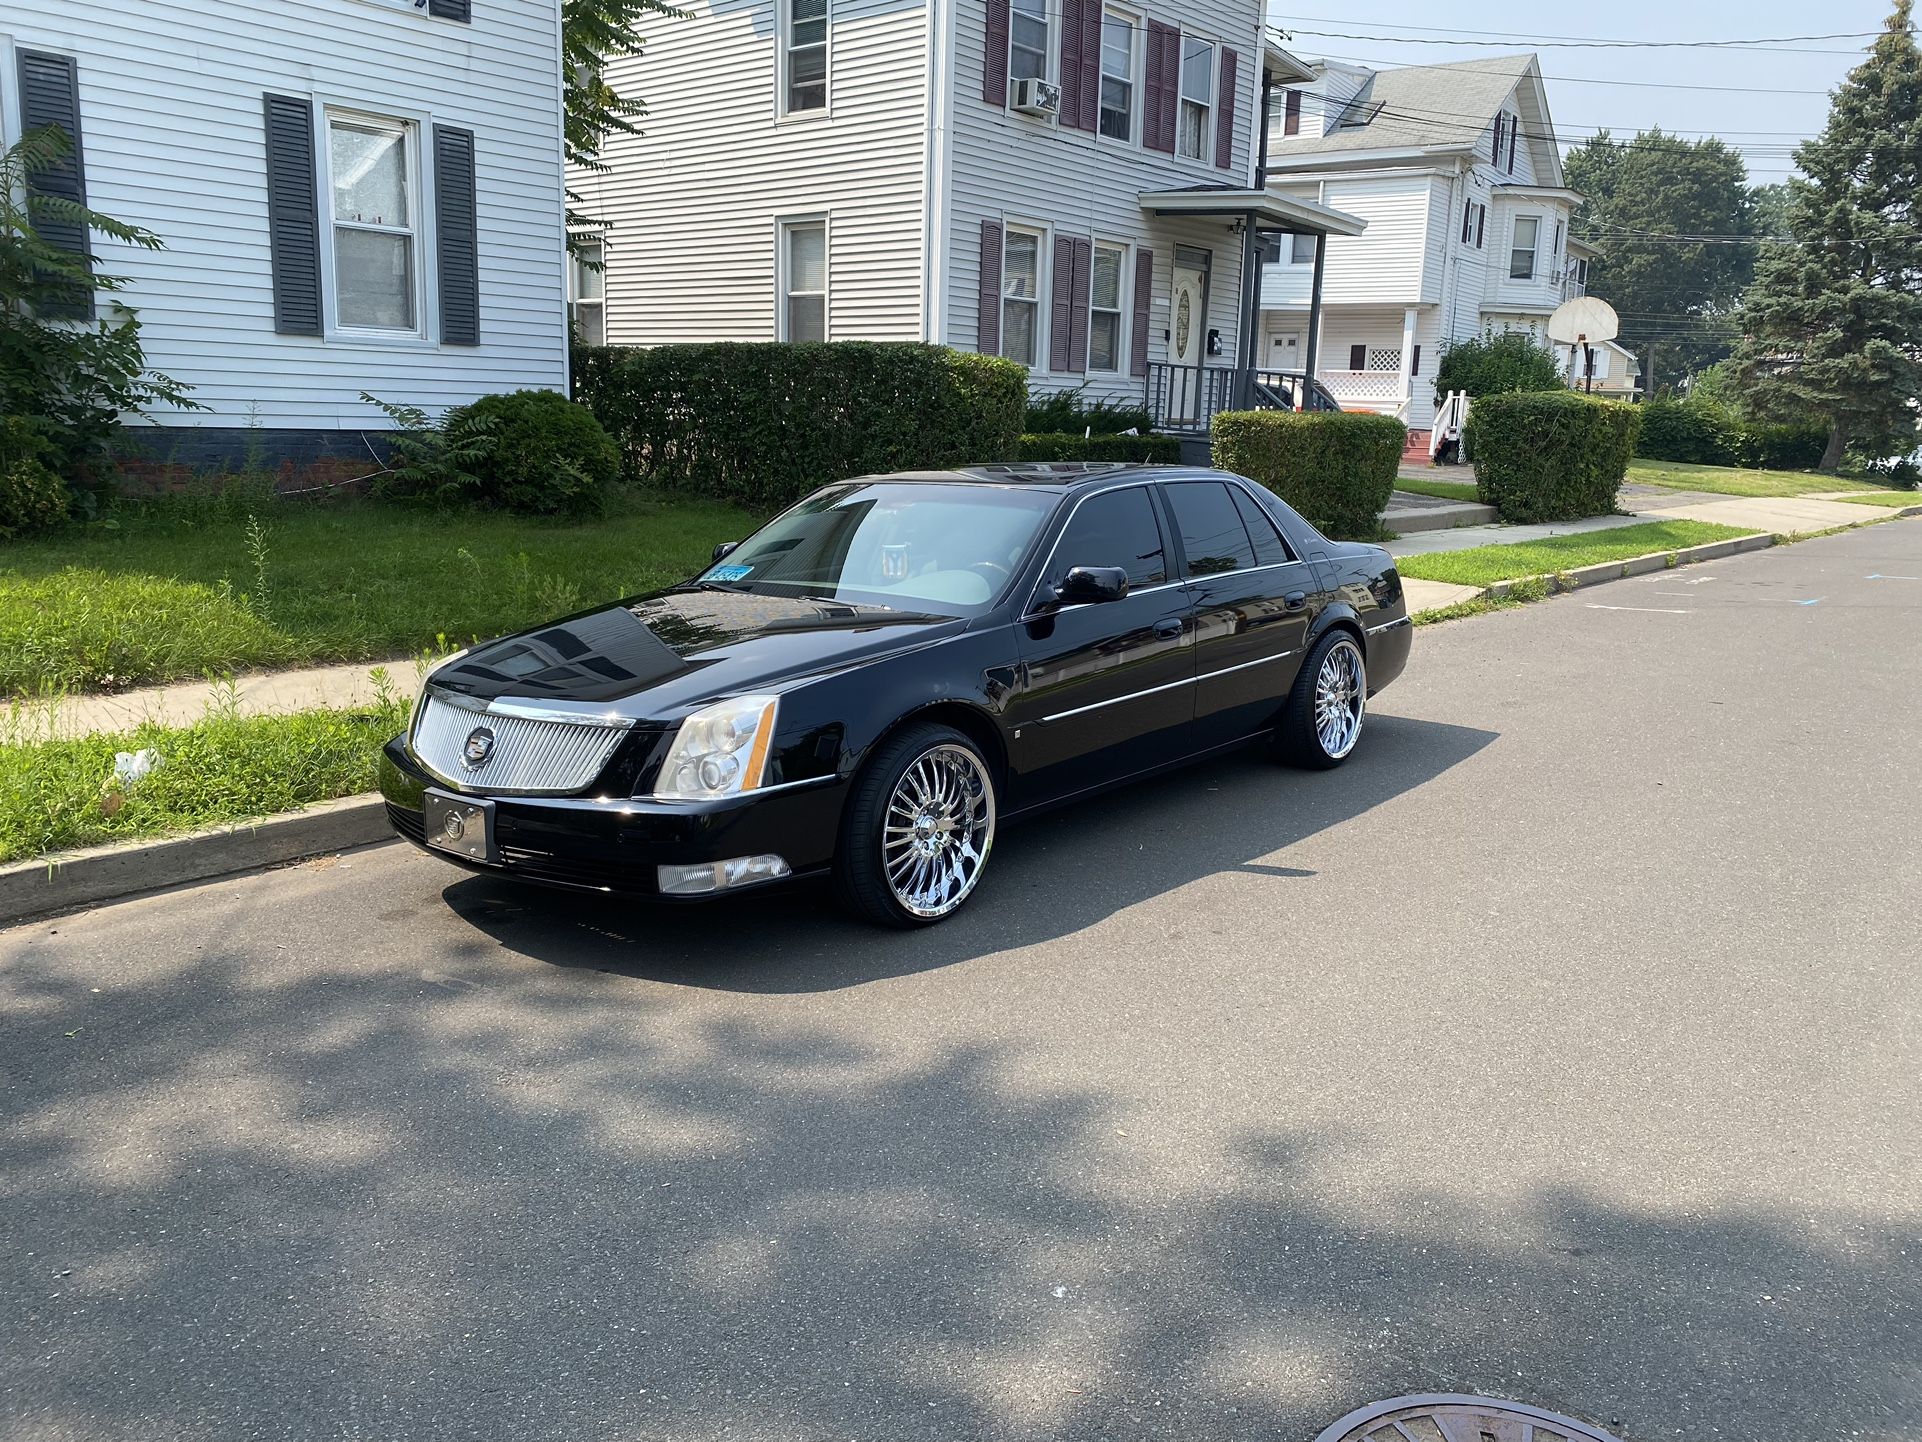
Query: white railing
1368	389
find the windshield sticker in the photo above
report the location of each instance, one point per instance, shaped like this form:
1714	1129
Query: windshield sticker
729	573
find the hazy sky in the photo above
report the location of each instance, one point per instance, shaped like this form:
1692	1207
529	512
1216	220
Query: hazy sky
1763	114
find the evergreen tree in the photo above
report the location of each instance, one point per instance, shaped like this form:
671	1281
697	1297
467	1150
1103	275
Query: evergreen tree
1674	296
594	32
1833	323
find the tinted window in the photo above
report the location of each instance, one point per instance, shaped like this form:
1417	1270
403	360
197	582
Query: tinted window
1270	549
1211	529
1115	529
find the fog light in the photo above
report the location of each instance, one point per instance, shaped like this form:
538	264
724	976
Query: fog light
719	875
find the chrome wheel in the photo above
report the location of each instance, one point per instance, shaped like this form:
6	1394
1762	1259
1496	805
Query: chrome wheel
1341	695
937	830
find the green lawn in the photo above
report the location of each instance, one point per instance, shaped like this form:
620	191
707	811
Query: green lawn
1727	481
176	593
60	794
1444	490
1484	565
1894	500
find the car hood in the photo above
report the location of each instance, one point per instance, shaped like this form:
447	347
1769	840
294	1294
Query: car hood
662	654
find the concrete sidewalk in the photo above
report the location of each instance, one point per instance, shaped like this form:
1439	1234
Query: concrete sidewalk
255	693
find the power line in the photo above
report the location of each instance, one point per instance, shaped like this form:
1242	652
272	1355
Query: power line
1547	38
1591	80
1764	47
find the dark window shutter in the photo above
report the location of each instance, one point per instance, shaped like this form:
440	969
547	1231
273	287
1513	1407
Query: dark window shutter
1078	305
1164	73
1144	291
1230	83
988	340
1357	357
1481	225
1070	64
1514	130
293	214
1061	309
1291	114
1468	221
456	236
994	68
1090	115
461	10
50	96
1414	365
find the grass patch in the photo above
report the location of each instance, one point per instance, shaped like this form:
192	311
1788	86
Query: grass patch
1441	490
1728	481
1894	500
57	794
172	593
1484	565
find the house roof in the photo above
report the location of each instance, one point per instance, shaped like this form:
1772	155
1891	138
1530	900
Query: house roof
1419	107
1271	209
1284	65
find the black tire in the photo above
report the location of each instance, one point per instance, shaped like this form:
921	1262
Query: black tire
1299	741
861	879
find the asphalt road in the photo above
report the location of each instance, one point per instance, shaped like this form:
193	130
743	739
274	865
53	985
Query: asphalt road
1563	1046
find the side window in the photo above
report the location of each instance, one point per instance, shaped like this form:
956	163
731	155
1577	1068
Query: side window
1114	529
1270	548
1212	534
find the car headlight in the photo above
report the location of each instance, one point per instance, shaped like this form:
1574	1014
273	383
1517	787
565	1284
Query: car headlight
721	750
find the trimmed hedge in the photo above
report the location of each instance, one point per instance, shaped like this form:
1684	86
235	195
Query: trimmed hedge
763	424
1550	455
1156	450
1702	433
543	455
1336	467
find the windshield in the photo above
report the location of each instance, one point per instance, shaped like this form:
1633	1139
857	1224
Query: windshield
923	546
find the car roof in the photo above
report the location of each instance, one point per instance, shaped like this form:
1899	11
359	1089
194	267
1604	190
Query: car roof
1050	475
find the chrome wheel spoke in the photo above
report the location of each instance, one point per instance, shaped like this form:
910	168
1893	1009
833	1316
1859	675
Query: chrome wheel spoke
936	830
1341	693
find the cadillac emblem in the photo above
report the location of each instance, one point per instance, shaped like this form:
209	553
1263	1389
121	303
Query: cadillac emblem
477	748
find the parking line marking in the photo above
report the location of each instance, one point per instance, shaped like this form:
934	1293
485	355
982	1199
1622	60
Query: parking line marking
1658	610
1878	576
1816	602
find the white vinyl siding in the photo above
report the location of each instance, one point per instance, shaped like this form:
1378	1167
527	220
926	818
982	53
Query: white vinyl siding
1381	265
804	55
171	116
1194	130
803	267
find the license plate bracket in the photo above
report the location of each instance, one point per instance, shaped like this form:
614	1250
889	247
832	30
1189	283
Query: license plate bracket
460	825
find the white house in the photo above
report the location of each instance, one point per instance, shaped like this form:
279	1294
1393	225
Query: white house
1617	373
1456	170
1065	182
355	195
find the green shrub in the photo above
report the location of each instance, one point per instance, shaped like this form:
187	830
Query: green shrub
1498	362
32	497
1550	455
1781	448
545	455
1156	450
1702	432
1070	413
763	424
1336	467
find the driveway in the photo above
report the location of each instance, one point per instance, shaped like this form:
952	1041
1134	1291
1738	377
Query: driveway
1563	1046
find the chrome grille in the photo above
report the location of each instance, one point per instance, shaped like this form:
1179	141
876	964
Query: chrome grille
529	755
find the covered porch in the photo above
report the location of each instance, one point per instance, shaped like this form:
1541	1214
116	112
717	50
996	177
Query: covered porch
1185	390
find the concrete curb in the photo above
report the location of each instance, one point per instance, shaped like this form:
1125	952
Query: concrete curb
1583	577
125	868
1439	518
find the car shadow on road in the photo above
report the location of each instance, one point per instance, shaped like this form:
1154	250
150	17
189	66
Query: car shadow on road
1051	877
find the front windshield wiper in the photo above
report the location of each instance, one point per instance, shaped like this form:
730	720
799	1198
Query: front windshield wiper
715	586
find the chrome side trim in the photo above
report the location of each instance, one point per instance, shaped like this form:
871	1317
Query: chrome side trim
1117	700
1258	661
1391	625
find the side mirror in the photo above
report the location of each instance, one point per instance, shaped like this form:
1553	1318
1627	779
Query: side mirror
723	548
1090	585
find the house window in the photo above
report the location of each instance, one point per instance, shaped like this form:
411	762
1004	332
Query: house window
1117	76
1303	250
1028	40
373	174
1558	238
1521	259
1291	114
804	55
1581	272
1357	357
1104	308
587	294
1021	296
1474	220
804	280
1197	88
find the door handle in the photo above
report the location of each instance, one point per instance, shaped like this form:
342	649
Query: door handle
1295	600
1168	626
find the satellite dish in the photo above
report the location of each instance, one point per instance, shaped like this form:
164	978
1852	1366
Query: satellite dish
1584	321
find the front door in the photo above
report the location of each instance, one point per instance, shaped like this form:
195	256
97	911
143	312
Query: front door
1187	338
1107	688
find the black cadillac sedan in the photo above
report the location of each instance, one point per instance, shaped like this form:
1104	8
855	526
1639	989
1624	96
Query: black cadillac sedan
882	676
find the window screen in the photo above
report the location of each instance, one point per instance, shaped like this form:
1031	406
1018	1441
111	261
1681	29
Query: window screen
1212	534
1114	529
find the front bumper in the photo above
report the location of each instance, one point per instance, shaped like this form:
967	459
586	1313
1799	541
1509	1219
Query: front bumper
615	845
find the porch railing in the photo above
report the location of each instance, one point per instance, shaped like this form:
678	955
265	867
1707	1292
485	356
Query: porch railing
1184	399
1365	388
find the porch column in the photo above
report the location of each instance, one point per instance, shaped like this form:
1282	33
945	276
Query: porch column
1314	319
1409	317
1248	342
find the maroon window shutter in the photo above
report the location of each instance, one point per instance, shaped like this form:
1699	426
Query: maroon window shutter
1078	305
988	341
1090	116
1061	311
1291	114
994	68
1144	291
1225	109
1070	71
1164	73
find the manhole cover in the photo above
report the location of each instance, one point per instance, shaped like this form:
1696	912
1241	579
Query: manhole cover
1458	1419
